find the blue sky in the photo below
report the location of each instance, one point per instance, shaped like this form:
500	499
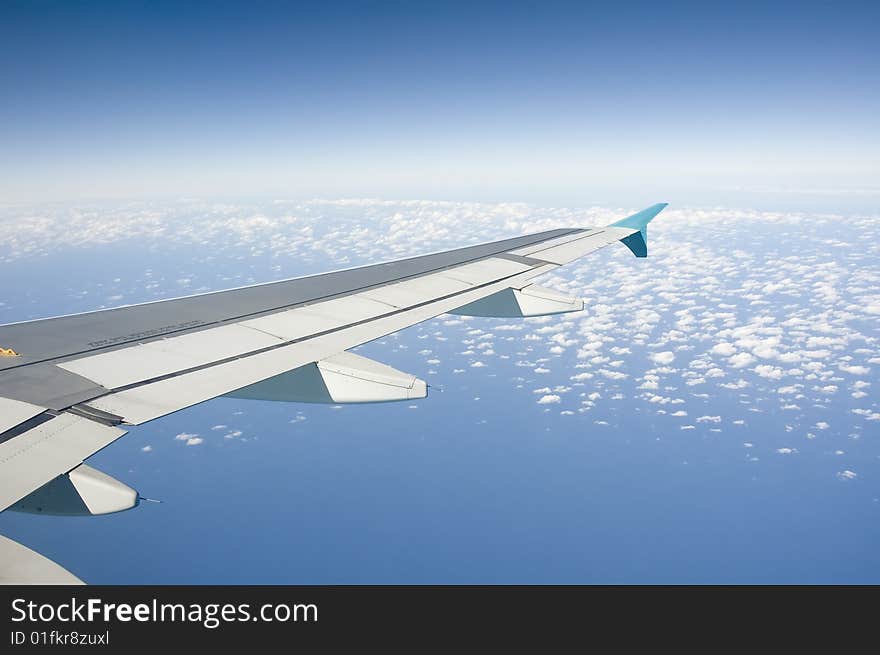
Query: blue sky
552	102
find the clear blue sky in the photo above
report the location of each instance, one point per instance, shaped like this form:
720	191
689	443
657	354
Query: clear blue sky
552	101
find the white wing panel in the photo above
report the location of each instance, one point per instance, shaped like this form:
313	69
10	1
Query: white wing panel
126	366
150	401
14	412
156	399
415	291
292	324
568	252
28	460
143	362
313	319
217	343
350	309
485	270
21	565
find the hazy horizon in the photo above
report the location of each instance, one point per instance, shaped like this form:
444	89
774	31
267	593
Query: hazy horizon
566	104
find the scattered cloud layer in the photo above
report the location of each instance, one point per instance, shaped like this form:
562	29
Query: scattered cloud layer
735	315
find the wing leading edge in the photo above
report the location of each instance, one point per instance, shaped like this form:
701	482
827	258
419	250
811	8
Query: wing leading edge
72	383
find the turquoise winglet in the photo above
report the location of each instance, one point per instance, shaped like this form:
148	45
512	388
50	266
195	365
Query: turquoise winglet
638	241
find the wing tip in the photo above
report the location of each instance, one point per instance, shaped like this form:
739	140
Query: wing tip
640	219
637	242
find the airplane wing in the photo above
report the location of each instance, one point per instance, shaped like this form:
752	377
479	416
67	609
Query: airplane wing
69	385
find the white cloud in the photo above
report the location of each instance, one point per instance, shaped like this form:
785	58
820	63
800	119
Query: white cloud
769	372
549	399
741	360
663	358
724	349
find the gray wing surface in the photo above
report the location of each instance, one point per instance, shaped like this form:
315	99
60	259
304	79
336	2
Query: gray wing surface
69	385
